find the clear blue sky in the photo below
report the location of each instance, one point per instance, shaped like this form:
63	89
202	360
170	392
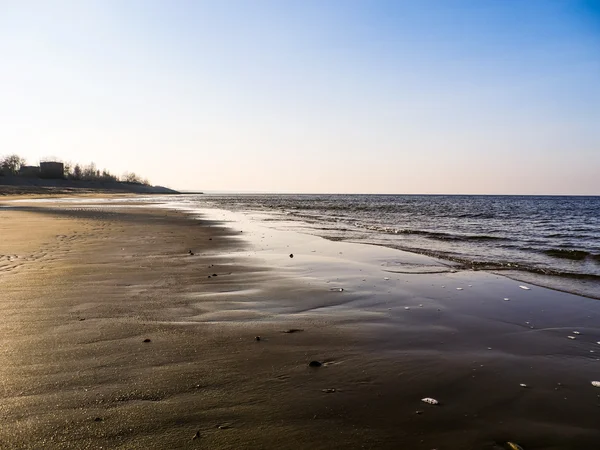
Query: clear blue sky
416	96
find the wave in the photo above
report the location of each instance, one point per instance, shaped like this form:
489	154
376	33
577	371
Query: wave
575	255
433	234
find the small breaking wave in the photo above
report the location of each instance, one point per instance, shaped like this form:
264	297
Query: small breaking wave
575	255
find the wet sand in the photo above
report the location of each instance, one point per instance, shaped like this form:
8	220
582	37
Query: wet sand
84	287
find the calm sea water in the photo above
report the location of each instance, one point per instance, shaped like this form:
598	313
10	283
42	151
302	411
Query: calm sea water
552	236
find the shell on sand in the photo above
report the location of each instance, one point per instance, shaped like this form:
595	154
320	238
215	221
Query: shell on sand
431	401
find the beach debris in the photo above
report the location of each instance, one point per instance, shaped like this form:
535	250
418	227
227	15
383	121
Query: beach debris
523	385
209	276
81	319
315	364
293	330
223	427
257	338
197	435
214	274
190	252
506	299
328	391
337	289
513	446
596	384
146	340
407	307
571	337
291	255
418	412
459	289
386	278
576	332
98	419
431	401
525	288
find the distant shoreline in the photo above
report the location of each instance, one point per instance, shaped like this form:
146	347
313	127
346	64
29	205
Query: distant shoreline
36	186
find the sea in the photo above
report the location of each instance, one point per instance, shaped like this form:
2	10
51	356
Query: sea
550	240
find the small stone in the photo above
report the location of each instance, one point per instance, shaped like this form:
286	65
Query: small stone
291	255
98	419
571	337
506	299
459	289
407	307
214	274
315	364
328	391
209	276
197	435
431	401
576	332
596	384
224	427
190	252
146	340
293	330
418	412
81	319
257	338
523	385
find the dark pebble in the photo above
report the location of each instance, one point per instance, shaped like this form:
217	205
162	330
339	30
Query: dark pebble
210	239
291	255
293	330
190	252
214	274
257	338
98	419
147	340
315	364
209	276
83	318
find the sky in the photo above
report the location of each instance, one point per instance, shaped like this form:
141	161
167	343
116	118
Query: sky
315	96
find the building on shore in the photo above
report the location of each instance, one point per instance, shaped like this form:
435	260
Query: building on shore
52	169
29	171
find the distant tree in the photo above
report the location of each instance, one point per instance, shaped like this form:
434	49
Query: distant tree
77	172
130	177
107	176
90	172
11	164
68	170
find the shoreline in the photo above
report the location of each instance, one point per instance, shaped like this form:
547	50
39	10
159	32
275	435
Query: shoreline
203	369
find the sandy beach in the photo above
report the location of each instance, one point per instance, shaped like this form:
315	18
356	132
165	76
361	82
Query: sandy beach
115	335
